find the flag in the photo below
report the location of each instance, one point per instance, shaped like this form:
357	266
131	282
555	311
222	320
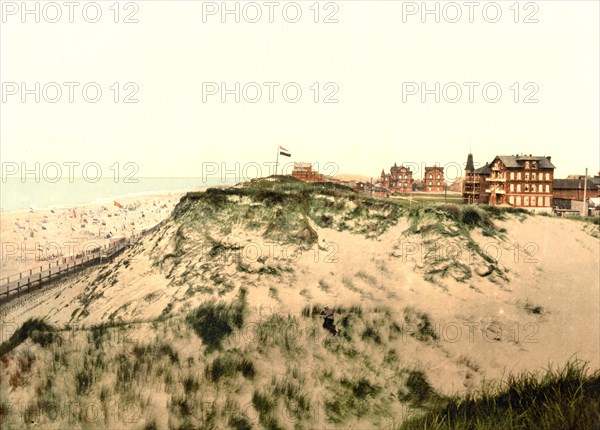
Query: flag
284	152
119	205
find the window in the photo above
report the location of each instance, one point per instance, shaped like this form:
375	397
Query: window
533	176
518	200
526	188
547	176
512	175
527	164
430	184
534	164
438	183
518	176
547	201
511	200
405	185
429	188
526	201
533	188
430	176
533	201
512	187
540	201
518	188
526	176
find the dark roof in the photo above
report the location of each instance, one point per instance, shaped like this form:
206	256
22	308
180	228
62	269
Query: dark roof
434	167
395	167
470	166
484	170
512	160
572	184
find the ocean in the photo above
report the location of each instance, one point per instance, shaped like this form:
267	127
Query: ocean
16	194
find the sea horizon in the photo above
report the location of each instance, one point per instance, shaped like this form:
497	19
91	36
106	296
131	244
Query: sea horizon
18	195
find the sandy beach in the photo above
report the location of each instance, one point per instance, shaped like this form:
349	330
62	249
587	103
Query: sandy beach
32	238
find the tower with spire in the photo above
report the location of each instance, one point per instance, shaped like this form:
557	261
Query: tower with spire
474	183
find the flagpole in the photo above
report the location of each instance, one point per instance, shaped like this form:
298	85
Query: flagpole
277	161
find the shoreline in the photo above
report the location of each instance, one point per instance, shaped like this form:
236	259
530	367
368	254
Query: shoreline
34	238
104	200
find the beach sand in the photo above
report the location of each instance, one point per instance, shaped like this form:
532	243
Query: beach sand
31	239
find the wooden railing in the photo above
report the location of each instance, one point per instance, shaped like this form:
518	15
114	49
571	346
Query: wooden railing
21	283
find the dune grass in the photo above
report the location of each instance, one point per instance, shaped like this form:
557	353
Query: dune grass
36	329
561	398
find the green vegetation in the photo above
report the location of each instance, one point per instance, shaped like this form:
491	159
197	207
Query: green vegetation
564	398
213	323
36	329
351	397
533	309
418	391
189	370
419	325
228	364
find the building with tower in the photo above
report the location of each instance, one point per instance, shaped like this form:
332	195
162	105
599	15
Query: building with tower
399	180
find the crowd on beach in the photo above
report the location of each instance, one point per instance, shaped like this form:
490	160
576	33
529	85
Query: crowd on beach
45	235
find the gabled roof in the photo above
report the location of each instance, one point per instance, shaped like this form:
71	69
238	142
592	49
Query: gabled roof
484	170
434	167
513	160
572	184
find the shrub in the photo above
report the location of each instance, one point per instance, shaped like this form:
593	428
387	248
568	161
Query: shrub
38	330
419	389
213	323
472	217
424	330
228	365
362	388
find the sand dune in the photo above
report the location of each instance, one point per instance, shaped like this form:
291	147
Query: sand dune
462	308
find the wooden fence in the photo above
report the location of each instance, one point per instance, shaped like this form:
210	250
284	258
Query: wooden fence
21	283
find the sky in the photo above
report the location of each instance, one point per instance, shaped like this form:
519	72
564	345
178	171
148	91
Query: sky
354	91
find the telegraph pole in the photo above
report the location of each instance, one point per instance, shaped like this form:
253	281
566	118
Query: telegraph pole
585	211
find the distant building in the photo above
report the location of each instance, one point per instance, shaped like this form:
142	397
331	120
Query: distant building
572	189
305	173
475	183
399	180
374	190
433	179
523	181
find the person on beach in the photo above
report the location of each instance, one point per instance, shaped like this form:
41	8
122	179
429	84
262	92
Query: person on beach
328	324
